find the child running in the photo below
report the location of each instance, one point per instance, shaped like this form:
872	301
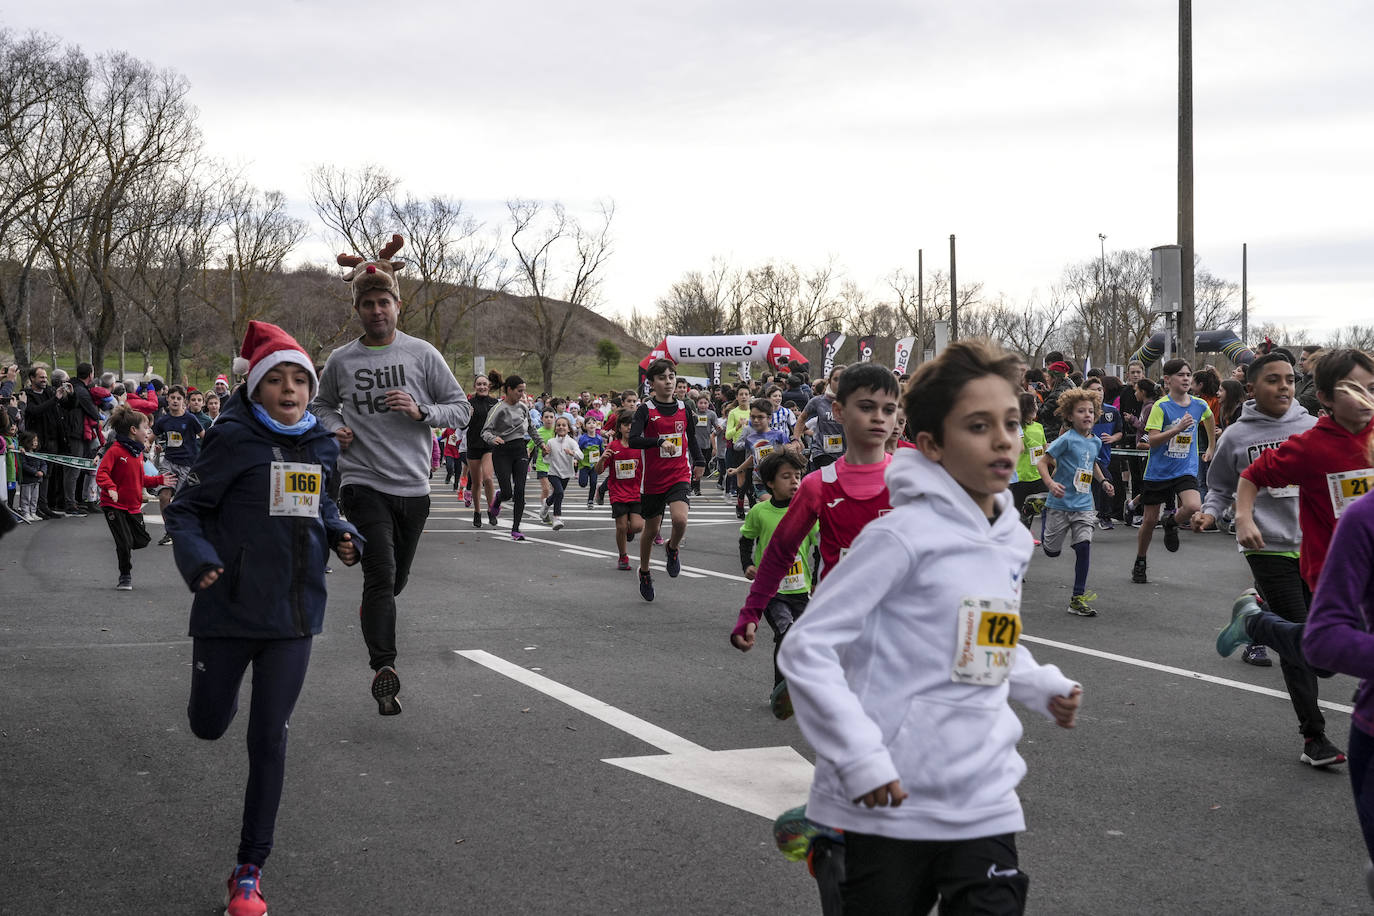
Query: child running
252	526
1069	508
121	478
1028	480
624	467
592	444
178	438
781	473
1172	467
759	441
563	456
705	432
903	665
662	429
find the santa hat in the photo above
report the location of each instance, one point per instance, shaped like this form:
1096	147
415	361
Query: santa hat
222	378
266	345
374	273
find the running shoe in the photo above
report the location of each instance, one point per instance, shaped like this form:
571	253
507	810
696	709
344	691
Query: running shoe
671	561
590	504
546	513
243	897
794	832
557	523
1105	524
739	510
516	536
646	585
477	519
1234	636
1321	753
467	499
166	541
780	701
1171	534
624	562
76	512
126	584
1138	571
493	515
1081	605
386	683
1255	655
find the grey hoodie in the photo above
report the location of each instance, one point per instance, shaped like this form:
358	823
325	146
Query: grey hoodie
1276	510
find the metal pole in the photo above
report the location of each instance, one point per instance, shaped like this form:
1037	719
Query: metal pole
233	306
1244	296
1187	331
953	294
1101	283
920	302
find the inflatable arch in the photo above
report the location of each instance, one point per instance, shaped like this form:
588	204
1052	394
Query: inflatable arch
1224	342
772	349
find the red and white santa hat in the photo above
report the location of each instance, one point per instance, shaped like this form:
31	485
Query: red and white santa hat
266	345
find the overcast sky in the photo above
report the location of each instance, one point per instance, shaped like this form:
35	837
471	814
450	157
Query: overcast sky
808	129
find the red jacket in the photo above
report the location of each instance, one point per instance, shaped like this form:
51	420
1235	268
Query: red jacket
122	470
145	406
1306	459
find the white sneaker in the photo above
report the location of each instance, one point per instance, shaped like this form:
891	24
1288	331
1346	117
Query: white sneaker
557	523
545	513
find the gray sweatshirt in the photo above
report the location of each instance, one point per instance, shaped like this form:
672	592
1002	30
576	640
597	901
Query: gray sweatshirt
509	422
390	451
1276	511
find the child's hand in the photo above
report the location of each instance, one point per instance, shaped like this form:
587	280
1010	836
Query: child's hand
731	472
1248	534
890	795
744	641
114	494
1065	709
1202	521
1056	489
1108	488
346	550
751	572
41	473
209	579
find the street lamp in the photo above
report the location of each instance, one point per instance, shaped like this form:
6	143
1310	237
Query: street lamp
1101	281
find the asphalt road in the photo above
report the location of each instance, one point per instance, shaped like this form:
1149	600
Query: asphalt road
1176	794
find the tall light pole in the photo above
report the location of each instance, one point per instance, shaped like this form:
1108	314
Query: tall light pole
1101	289
1187	329
953	294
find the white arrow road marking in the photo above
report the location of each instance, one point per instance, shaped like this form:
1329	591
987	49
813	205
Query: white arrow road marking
762	780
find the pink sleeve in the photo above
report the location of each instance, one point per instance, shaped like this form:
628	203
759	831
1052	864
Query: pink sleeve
796	523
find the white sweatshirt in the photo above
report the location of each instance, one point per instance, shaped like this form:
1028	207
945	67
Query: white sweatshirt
563	456
875	674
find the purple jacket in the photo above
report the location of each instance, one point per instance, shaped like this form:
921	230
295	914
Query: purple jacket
1338	636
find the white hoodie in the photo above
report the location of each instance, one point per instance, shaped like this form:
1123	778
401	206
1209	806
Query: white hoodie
870	666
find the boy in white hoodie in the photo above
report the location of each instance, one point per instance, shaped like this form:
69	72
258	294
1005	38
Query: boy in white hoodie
903	665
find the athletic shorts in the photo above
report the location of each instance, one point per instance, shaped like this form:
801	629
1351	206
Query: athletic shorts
620	509
1156	492
1058	522
173	474
653	504
541	474
475	453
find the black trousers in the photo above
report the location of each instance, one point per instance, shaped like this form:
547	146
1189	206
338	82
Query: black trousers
1285	593
511	463
129	533
392	526
907	877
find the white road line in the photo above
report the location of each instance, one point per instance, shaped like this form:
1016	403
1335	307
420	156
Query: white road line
694	572
1181	672
647	732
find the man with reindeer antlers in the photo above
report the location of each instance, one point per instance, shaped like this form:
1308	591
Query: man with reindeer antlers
380	395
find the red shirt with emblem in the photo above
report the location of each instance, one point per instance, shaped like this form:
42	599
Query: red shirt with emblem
668	460
624	471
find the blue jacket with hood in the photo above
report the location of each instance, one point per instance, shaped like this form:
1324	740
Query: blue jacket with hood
273	581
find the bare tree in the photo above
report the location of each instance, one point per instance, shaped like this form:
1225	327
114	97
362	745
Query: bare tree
558	264
355	206
798	306
259	235
1354	336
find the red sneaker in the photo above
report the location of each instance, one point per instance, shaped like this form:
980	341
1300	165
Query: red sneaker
244	894
624	563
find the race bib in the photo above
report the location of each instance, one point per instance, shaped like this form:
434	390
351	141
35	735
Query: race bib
296	489
453	440
833	445
795	580
625	469
1282	492
593	455
671	446
762	451
985	648
173	440
703	421
1083	481
1347	487
1180	446
1036	453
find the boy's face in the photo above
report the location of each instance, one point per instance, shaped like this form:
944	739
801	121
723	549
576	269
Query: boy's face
759	420
868	416
680	388
742	396
1084	416
1273	390
776	398
284	393
1135	373
703	405
547	418
143	432
1353	403
981	439
197	402
631	401
176	404
663	384
1180	381
212	406
784	485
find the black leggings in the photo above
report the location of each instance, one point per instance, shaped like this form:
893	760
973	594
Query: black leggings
1285	593
556	487
392	526
511	462
279	665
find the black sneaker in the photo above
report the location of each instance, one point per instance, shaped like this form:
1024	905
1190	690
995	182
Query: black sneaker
739	510
1170	534
1321	753
75	512
646	585
56	513
477	519
126	584
386	683
672	562
166	541
1138	571
1255	655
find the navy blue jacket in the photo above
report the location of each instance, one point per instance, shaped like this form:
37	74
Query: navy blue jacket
273	581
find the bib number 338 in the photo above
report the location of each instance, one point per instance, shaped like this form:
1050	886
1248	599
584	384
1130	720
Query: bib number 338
296	489
988	633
